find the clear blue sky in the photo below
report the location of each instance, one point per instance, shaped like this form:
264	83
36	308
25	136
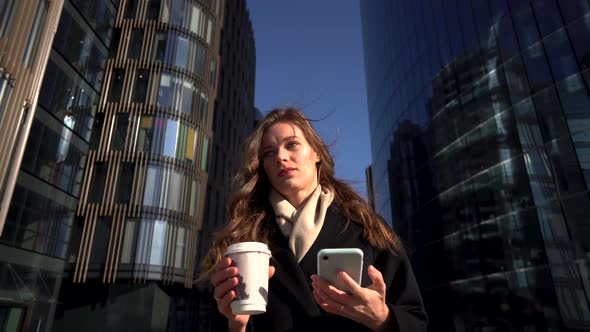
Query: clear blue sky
309	54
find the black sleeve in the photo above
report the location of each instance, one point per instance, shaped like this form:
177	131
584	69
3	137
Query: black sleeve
402	293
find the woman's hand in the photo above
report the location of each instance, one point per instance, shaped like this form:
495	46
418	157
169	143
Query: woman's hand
364	305
224	280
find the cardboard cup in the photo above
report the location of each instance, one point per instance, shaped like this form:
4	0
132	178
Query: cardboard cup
252	261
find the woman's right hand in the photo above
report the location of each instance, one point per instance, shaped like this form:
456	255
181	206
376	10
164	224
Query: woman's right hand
224	281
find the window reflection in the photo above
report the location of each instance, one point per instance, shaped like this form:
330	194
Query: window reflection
129	241
116	85
6	85
135	43
120	132
170	138
175	49
39	218
158	243
163	187
7	9
79	45
178	93
98	182
72	99
54	154
140	90
100	14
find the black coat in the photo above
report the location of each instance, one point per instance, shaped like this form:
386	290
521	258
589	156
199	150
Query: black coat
291	306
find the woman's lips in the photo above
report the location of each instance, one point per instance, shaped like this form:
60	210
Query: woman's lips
286	171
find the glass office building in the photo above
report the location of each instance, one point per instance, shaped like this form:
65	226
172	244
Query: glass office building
40	155
135	238
479	114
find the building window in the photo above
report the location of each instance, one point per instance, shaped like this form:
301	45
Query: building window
35	34
98	182
131	10
120	133
116	85
11	318
7	8
181	241
205	155
135	44
6	85
142	77
170	140
19	132
158	243
153	10
125	182
129	243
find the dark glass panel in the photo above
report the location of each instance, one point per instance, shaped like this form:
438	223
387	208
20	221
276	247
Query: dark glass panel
566	168
536	67
37	221
98	182
577	215
575	99
516	79
573	9
135	44
529	130
100	241
547	16
72	100
97	131
131	10
504	29
468	28
140	90
549	114
579	33
54	155
120	132
116	39
153	10
78	44
524	23
560	54
116	85
484	24
125	182
100	15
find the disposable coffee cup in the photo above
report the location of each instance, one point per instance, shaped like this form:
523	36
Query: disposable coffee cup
251	259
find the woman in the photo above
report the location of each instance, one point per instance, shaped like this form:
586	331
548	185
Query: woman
287	197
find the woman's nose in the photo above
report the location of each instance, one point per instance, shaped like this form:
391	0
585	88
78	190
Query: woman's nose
281	155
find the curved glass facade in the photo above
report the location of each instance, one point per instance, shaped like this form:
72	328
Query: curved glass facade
479	114
153	128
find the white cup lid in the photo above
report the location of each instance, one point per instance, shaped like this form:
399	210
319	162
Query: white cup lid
247	247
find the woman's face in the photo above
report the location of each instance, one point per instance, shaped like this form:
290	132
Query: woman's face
289	162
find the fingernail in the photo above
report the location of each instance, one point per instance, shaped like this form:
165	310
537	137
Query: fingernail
314	277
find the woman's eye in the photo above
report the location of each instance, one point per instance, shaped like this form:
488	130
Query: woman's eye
291	145
268	154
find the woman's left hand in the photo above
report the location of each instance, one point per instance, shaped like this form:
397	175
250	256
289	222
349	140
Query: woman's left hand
364	305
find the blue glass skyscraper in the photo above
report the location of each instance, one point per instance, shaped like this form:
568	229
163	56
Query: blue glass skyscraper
479	114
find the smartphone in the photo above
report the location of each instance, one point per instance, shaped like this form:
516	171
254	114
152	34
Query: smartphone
349	260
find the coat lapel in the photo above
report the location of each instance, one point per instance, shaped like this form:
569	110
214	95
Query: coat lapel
289	276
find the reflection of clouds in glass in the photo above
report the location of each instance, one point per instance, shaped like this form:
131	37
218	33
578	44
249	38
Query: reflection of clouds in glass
158	239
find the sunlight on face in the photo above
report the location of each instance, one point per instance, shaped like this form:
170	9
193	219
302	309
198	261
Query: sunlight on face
289	162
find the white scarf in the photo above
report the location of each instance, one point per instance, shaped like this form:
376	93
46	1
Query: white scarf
301	226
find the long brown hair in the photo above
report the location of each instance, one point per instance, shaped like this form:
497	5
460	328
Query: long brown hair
249	205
